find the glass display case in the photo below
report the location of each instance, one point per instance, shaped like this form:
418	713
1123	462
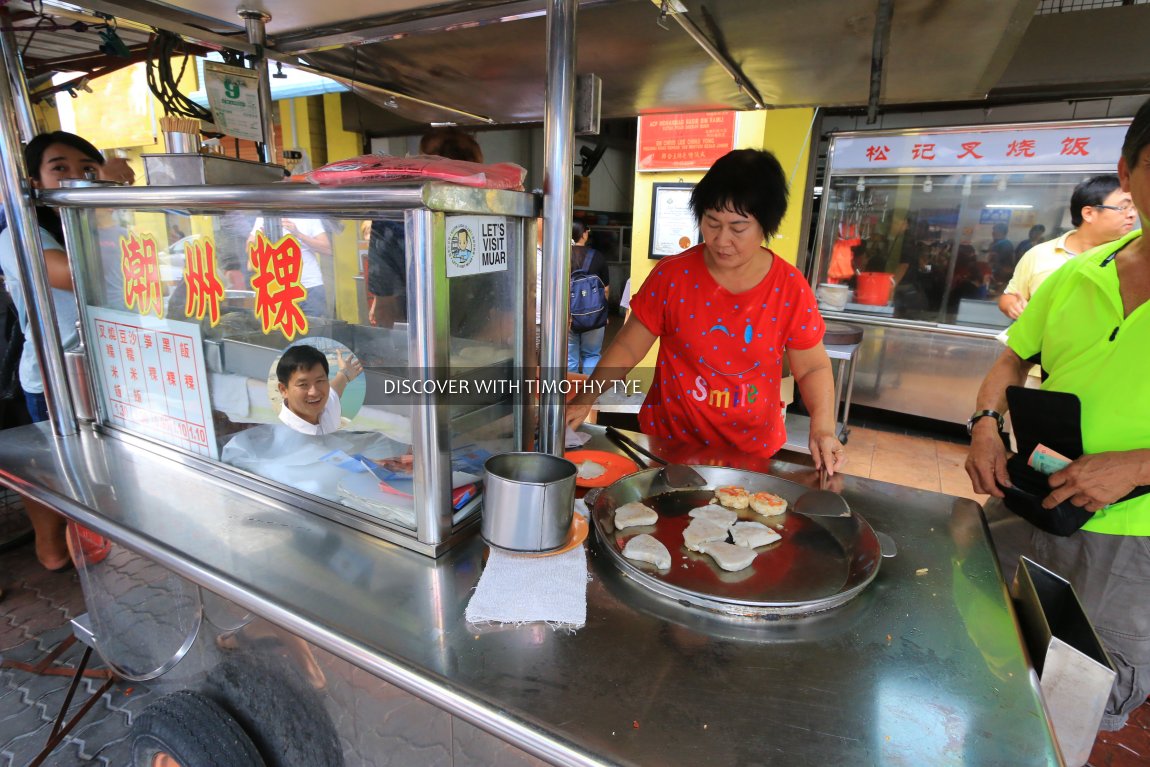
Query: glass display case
919	233
208	327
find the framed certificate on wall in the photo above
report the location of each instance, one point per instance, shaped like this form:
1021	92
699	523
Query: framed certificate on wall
673	226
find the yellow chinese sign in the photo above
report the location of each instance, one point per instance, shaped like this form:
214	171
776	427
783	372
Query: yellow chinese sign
276	271
204	288
140	267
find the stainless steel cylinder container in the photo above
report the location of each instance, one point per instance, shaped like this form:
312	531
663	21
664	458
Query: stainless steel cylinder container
529	501
76	363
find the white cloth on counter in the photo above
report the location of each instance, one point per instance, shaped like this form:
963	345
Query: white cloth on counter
516	589
575	438
298	460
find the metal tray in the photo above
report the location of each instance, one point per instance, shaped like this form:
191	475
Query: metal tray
819	564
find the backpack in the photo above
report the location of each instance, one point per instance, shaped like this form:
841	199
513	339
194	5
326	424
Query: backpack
588	298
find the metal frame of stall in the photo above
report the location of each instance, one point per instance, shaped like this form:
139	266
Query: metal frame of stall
17	123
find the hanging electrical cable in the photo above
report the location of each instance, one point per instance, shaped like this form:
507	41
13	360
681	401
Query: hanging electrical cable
163	81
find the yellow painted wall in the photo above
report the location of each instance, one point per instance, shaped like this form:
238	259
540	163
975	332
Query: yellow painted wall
786	133
345	244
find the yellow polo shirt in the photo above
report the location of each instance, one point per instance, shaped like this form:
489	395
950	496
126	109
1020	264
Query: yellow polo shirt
1075	320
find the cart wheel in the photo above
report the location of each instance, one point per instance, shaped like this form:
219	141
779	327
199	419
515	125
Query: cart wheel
284	715
185	729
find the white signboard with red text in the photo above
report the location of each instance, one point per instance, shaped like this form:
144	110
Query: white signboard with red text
152	378
1069	146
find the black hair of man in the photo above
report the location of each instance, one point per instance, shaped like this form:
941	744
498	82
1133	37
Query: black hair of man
1093	191
750	182
299	357
999	231
577	230
1137	136
1035	232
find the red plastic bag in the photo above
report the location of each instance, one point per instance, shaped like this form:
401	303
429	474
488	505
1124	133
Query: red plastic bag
374	168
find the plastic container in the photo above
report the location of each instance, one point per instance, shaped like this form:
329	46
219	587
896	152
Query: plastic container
874	288
832	296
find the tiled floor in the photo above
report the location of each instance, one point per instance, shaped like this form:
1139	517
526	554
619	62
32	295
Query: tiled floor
916	460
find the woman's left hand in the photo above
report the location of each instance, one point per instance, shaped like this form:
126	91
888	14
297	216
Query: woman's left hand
827	451
117	169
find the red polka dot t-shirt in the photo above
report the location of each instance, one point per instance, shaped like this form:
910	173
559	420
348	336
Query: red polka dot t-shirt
720	353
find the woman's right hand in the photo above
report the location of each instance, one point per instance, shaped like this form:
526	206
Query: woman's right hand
576	414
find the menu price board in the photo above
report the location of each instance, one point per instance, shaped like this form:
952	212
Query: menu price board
152	378
690	141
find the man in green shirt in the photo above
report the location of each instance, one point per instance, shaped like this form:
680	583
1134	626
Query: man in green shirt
1090	325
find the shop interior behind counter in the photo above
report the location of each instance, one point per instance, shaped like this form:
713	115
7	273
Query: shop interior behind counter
936	248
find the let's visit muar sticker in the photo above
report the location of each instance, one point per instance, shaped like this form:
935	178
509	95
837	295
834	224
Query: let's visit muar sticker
476	244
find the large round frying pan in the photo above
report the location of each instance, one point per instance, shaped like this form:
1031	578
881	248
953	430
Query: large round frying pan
820	563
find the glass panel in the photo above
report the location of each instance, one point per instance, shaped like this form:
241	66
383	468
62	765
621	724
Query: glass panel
482	322
189	317
936	249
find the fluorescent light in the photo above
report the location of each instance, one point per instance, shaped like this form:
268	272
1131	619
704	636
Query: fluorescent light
1006	206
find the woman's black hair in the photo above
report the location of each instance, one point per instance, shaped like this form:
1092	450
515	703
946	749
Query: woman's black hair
34	157
747	181
38	146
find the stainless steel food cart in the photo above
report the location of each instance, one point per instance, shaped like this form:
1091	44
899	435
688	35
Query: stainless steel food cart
250	593
926	666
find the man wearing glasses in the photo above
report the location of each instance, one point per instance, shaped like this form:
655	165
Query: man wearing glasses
1100	211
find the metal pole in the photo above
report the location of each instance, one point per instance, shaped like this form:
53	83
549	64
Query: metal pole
18	85
256	21
29	249
558	177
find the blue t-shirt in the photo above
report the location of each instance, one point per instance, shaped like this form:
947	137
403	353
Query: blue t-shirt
67	314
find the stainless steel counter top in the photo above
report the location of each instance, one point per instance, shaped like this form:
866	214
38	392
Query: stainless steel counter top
926	667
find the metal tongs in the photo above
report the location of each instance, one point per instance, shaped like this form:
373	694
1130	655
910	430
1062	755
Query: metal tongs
674	474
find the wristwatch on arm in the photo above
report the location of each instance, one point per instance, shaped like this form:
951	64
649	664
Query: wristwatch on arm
997	416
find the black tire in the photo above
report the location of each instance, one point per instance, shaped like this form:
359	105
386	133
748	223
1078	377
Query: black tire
193	731
284	716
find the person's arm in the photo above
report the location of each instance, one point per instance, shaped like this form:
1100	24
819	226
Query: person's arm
117	169
348	370
986	461
631	344
812	371
1011	304
318	243
59	273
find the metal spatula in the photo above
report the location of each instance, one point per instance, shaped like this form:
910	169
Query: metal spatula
674	474
822	502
